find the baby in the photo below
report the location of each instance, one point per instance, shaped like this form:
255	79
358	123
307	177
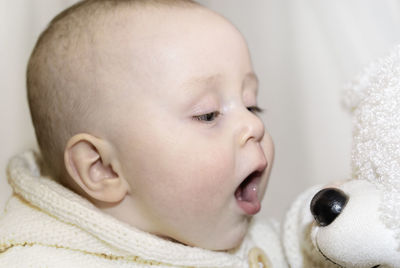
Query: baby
146	112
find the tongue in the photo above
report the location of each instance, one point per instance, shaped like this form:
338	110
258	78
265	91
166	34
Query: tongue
246	196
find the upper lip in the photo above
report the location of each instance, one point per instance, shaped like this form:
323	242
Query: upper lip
258	169
262	165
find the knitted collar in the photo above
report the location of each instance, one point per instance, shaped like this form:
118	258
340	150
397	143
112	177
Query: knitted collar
123	240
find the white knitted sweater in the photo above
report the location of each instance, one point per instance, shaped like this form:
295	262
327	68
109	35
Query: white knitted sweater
46	225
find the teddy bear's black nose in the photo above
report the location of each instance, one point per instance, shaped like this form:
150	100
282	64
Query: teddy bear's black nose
327	204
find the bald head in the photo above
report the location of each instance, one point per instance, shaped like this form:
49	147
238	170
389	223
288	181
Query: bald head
66	76
147	109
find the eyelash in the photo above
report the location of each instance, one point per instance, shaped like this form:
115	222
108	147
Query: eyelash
209	117
255	109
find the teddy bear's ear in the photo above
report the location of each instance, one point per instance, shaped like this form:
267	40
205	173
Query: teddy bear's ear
356	91
384	70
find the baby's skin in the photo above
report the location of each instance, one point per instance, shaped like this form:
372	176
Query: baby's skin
175	146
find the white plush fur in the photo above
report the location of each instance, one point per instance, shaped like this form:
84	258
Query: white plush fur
358	238
367	232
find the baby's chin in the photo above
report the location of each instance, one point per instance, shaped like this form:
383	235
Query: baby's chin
225	242
234	244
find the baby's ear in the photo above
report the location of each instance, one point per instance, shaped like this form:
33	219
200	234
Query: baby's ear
88	161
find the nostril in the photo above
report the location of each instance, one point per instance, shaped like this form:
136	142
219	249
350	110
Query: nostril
327	204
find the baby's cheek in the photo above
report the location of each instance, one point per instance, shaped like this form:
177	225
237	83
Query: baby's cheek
206	190
211	189
268	147
196	177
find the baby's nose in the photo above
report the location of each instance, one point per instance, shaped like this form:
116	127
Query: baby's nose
251	127
327	204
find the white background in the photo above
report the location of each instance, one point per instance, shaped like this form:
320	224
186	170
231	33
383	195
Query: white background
303	52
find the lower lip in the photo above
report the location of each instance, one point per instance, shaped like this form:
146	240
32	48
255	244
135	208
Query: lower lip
250	208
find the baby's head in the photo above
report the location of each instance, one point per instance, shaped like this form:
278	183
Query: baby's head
148	108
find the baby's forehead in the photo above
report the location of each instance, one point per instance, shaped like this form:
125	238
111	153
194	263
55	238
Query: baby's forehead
148	40
151	27
147	32
157	49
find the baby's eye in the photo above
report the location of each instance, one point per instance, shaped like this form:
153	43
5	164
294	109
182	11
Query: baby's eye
207	117
255	109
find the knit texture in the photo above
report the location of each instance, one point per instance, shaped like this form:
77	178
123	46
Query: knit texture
374	99
44	219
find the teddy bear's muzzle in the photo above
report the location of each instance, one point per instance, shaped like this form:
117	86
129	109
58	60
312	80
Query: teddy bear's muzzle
327	204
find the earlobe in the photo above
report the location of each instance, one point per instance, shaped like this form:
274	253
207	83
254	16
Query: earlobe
88	162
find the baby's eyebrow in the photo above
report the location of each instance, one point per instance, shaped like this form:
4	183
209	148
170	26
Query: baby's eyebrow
250	80
204	81
217	79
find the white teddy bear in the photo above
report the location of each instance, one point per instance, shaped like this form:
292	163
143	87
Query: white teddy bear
358	223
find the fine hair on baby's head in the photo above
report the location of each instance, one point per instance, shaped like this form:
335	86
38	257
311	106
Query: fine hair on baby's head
148	109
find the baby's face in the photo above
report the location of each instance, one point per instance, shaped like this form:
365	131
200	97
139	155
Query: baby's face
185	131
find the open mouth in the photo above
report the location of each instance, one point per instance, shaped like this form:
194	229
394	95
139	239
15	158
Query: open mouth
247	193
